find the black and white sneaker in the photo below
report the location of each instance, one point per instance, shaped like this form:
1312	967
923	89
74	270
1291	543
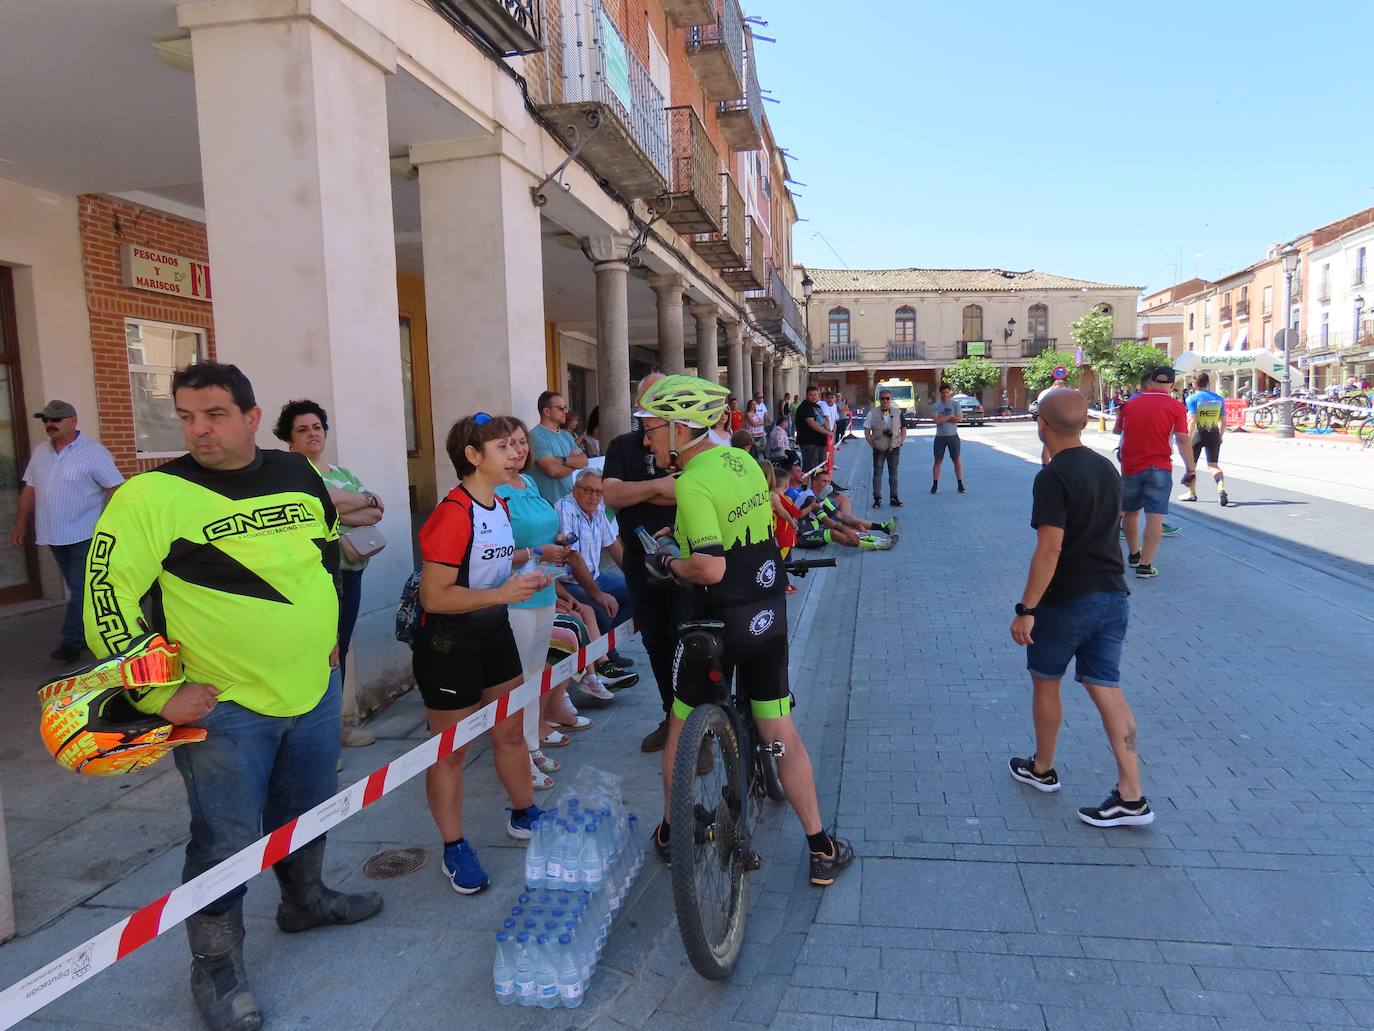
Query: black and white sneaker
1024	771
1116	812
615	677
1133	559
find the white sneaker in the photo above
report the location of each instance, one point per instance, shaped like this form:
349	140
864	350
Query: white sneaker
592	686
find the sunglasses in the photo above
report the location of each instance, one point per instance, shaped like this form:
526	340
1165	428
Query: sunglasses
46	419
482	418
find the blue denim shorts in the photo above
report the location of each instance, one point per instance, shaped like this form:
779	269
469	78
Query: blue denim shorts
1090	628
1147	489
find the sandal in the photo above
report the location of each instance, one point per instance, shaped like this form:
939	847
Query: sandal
555	739
544	762
539	780
578	723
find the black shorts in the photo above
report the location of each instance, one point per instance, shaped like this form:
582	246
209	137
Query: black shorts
754	648
948	443
452	671
1208	441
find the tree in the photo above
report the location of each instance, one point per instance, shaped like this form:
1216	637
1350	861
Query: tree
970	375
1039	372
1093	333
1130	361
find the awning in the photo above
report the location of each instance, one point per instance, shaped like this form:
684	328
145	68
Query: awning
1243	340
1268	362
1226	341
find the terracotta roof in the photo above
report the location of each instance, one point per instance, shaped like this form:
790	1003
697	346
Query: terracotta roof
947	280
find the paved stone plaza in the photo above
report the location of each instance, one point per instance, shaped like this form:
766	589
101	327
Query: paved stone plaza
976	902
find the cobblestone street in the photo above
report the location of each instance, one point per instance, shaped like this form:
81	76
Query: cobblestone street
975	902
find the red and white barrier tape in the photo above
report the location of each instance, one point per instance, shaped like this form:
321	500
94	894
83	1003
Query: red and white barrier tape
26	997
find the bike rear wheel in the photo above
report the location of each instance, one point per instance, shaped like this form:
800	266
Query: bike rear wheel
1367	433
708	846
1263	417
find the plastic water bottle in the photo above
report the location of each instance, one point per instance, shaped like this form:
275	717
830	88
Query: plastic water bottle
536	857
553	853
572	857
545	974
635	842
570	986
524	971
503	969
582	954
591	867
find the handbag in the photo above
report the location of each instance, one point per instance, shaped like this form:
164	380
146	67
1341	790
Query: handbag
361	542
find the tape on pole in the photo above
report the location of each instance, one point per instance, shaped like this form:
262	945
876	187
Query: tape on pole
24	998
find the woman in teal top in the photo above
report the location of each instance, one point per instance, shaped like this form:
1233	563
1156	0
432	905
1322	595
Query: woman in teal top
535	524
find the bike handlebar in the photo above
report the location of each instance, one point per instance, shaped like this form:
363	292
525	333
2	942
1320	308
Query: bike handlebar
801	566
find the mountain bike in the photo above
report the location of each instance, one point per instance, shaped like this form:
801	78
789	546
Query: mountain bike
712	813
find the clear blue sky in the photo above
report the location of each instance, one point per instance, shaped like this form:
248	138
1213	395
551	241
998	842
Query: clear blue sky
1106	141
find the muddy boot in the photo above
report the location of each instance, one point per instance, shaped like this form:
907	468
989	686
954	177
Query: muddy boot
307	903
218	982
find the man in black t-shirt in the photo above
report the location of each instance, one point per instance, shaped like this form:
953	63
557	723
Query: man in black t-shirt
1074	607
812	433
642	495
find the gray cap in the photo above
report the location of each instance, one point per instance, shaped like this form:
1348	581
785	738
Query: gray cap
56	410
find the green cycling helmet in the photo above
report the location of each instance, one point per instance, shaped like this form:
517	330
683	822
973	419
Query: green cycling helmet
688	399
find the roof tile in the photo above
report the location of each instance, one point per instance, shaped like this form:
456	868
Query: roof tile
947	280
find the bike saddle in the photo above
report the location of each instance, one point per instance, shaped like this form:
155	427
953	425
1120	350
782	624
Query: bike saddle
714	626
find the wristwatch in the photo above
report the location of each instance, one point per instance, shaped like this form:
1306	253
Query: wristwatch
1021	610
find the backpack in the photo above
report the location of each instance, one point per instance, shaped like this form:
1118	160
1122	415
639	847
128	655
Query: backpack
409	612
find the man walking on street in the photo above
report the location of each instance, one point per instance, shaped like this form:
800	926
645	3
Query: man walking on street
1206	426
1149	424
555	454
67	482
241	549
812	432
948	416
1074	606
885	434
641	492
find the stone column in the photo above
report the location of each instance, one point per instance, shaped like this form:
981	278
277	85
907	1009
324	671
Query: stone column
671	347
778	388
734	344
756	375
872	387
610	263
708	341
484	294
292	119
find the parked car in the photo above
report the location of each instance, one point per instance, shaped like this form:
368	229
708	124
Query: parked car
971	409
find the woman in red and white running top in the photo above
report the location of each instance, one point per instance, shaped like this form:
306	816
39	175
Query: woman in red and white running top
464	653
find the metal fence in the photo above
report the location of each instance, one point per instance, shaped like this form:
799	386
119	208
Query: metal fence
599	66
732	211
695	161
727	32
752	101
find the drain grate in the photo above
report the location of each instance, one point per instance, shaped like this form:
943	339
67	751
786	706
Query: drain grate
394	862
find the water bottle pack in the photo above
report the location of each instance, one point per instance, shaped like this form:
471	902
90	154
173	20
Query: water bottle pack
581	861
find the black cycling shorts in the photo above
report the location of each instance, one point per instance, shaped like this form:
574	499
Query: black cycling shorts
753	648
1208	441
452	671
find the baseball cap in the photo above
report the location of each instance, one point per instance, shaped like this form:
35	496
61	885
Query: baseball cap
56	410
1163	374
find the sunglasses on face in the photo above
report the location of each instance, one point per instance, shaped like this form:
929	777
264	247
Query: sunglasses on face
45	419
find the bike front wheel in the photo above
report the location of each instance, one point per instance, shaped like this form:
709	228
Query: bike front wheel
708	846
1263	417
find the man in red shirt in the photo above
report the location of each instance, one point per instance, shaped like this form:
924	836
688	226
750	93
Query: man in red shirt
1149	424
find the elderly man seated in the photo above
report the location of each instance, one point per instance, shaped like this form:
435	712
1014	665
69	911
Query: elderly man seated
582	519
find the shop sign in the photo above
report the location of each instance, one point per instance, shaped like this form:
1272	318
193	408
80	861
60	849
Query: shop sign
617	62
146	268
976	348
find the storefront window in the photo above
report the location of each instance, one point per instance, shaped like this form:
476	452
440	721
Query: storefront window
155	351
408	387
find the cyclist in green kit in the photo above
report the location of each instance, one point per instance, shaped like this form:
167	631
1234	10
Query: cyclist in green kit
724	529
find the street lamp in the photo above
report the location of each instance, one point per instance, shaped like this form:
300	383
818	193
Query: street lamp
808	288
1289	256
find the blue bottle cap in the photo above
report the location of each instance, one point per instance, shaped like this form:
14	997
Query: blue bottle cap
517	910
543	939
502	936
522	937
508	924
565	939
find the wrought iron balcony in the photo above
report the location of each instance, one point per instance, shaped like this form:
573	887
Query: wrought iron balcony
974	348
686	13
1242	309
753	274
741	119
837	354
1031	346
776	311
694	192
726	247
1225	314
511	26
609	105
906	350
715	50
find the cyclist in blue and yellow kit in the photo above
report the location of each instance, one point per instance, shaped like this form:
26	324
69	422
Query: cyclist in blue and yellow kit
725	531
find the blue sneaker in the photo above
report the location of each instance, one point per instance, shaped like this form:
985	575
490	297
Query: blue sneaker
520	827
463	870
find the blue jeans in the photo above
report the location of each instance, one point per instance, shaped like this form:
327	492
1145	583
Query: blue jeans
614	585
1090	629
253	774
71	560
350	599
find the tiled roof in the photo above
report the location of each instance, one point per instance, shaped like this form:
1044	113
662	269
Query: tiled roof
947	280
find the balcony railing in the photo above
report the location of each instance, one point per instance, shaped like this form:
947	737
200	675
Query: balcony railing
741	119
1242	309
1225	314
1324	292
974	348
511	26
1031	346
610	102
906	351
753	274
776	311
839	353
715	50
695	187
726	248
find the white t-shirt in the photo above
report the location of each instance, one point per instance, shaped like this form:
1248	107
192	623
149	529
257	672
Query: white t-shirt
762	409
831	413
